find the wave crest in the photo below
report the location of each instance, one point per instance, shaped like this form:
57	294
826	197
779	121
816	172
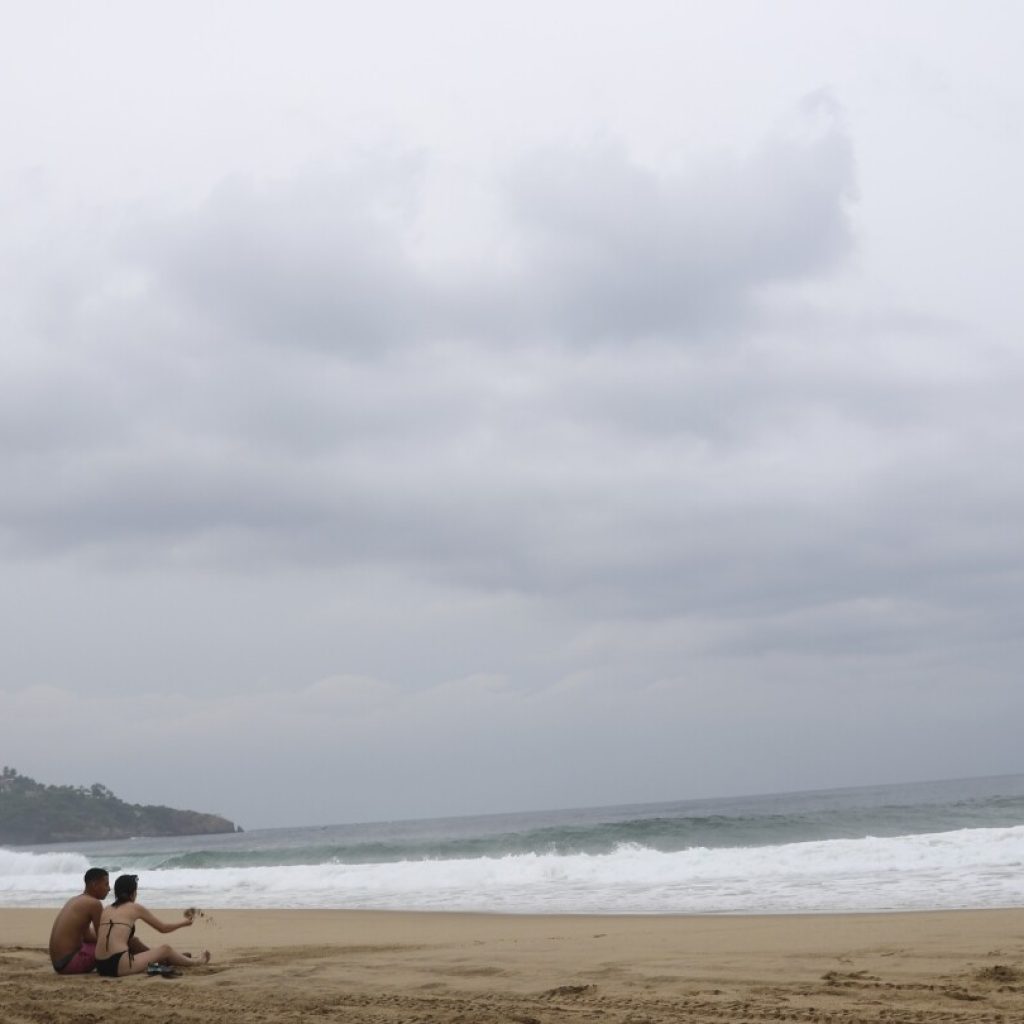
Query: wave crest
965	868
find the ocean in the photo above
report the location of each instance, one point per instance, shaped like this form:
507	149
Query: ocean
936	845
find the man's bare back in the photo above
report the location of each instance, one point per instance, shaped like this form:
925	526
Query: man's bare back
76	923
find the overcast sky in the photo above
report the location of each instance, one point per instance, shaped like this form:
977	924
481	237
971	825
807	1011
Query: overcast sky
414	409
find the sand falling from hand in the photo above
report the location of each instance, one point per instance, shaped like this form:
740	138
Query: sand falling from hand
194	914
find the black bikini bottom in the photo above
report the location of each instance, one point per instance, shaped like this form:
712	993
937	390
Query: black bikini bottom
108	967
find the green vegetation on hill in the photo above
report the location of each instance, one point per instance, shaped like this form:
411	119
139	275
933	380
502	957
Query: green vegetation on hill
31	813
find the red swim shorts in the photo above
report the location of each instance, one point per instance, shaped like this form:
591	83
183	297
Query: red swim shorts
81	962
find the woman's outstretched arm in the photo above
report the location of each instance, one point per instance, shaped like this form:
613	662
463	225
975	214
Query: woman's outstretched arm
161	926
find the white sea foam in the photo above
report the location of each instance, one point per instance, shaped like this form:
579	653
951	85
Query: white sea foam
33	878
14	863
967	868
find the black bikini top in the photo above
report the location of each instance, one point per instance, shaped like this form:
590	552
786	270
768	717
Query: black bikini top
110	926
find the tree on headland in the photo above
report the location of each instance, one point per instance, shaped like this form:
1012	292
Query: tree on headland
33	813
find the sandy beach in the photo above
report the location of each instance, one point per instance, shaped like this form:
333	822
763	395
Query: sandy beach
274	966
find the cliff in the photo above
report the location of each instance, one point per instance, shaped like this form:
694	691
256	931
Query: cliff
31	813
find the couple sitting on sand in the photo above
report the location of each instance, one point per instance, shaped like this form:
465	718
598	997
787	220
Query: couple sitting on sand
87	935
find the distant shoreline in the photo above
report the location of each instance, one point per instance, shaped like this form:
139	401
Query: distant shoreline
33	847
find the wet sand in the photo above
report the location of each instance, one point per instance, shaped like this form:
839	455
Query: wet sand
294	966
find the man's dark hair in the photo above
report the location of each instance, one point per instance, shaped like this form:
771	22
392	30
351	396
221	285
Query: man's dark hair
95	874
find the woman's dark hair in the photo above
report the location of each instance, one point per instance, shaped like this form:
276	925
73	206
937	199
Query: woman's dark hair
125	888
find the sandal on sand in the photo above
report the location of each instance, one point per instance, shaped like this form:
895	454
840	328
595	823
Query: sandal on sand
164	970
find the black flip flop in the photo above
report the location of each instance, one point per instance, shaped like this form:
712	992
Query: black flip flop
164	970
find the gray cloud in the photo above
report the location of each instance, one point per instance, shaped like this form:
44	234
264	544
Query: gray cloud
513	453
319	261
616	250
217	394
597	247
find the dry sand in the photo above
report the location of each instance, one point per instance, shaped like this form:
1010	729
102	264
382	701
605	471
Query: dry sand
301	966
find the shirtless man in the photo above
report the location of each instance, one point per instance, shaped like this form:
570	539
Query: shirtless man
73	938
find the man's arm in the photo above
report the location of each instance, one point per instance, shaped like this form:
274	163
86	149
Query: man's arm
92	929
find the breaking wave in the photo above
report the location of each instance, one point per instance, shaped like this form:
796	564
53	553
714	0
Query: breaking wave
979	867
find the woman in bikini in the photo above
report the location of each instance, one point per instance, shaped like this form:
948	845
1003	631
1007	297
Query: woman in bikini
114	957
